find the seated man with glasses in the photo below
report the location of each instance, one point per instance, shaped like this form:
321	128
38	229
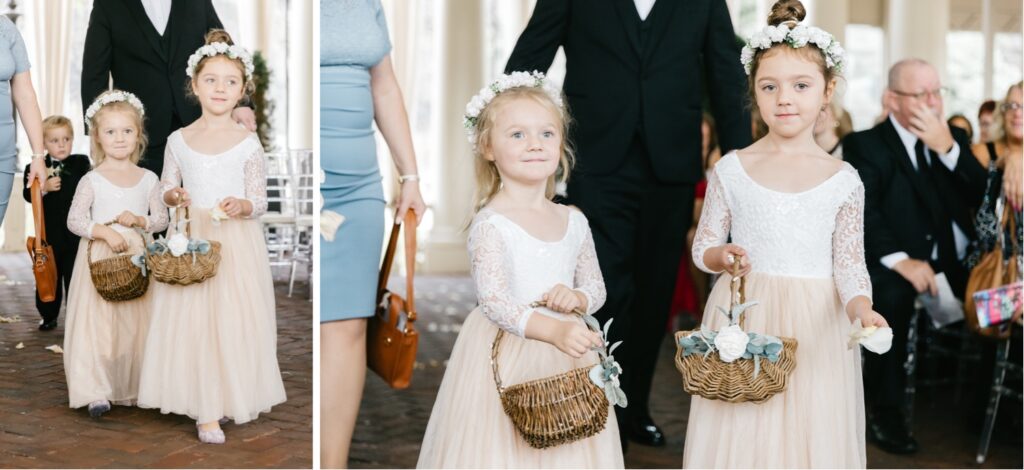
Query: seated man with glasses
921	182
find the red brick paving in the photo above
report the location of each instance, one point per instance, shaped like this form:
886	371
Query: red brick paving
38	430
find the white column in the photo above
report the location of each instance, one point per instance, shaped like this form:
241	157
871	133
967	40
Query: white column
917	29
300	75
462	76
989	35
832	16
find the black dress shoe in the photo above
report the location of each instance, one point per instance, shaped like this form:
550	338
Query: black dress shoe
887	429
643	431
47	325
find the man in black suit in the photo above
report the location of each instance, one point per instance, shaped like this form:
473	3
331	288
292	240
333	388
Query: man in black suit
145	48
921	182
634	74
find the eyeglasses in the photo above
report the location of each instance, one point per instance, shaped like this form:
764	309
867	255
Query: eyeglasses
937	93
1010	106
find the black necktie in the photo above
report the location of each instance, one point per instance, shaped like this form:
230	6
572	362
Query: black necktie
922	162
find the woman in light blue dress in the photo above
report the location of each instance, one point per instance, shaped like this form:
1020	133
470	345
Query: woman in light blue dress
16	92
357	87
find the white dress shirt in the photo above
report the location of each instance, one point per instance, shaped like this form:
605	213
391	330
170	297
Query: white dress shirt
643	7
949	160
158	12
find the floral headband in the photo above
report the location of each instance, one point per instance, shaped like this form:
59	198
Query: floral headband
797	37
113	97
233	51
503	83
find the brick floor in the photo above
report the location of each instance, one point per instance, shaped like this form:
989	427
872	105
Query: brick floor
38	430
391	423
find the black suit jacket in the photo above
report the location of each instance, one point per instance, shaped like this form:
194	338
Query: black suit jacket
896	215
57	204
122	43
620	80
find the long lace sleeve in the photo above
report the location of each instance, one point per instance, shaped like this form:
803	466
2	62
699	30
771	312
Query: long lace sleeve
171	176
490	270
158	218
256	182
715	221
79	214
588	278
848	264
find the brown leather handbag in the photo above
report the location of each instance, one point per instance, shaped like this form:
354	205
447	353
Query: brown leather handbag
391	338
44	267
991	272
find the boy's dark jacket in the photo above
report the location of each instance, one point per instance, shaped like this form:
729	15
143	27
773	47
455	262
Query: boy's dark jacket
57	204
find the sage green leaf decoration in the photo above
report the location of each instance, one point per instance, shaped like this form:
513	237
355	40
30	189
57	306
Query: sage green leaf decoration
592	322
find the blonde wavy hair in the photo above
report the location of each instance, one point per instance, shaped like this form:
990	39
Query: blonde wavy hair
998	130
488	180
98	155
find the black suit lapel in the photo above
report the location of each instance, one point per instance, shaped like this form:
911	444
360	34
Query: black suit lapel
146	25
629	18
892	139
660	16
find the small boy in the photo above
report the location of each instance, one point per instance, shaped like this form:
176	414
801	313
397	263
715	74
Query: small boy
63	173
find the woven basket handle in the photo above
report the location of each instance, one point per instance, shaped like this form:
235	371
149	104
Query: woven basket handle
88	255
738	287
495	346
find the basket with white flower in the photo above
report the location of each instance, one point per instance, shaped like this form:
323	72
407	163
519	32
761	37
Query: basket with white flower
566	407
180	259
749	367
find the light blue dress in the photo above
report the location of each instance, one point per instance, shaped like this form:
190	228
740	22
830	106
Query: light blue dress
353	38
13	60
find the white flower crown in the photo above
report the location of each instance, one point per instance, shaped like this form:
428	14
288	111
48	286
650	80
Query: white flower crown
113	97
505	82
233	51
797	37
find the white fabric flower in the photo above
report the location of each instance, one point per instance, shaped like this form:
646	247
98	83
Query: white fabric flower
113	97
233	51
178	244
218	214
476	105
874	339
777	33
798	36
731	343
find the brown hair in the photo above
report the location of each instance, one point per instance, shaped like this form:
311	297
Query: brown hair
488	181
98	155
219	35
57	121
790	13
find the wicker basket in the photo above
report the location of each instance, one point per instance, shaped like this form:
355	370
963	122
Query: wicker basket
554	410
734	382
188	268
116	279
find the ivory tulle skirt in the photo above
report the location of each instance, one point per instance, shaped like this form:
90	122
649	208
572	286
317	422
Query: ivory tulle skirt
103	341
468	427
212	347
819	420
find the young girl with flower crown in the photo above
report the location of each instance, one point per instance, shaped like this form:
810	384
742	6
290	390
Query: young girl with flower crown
103	341
212	349
523	248
795	216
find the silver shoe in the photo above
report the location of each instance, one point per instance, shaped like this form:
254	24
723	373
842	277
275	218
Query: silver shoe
215	436
98	407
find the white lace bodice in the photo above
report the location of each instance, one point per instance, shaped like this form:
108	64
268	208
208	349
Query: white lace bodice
239	172
818	233
511	268
98	201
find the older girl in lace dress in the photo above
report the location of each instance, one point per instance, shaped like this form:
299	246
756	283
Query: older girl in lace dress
103	340
212	348
523	248
796	220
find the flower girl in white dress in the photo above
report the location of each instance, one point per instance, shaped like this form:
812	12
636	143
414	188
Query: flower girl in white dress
523	248
103	341
212	348
796	217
